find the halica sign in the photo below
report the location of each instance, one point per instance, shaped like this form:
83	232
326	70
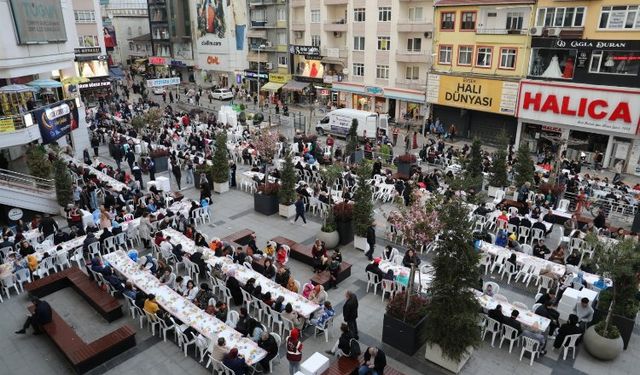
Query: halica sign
586	106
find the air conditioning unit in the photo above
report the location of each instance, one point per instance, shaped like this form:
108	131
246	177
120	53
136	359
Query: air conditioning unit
299	34
337	34
267	44
535	31
428	34
553	31
269	66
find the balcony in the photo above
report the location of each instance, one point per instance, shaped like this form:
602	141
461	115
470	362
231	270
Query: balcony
298	26
336	26
253	57
486	31
336	56
336	2
263	24
297	3
411	56
411	84
414	26
253	33
257	3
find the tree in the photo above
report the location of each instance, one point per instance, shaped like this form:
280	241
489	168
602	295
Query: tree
363	200
220	159
63	182
330	175
352	140
287	193
523	168
474	163
498	168
153	118
452	312
418	222
38	162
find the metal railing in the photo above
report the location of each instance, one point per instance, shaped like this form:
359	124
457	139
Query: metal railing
26	182
488	31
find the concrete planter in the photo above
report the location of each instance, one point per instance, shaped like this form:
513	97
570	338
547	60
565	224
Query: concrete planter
331	239
403	336
221	187
360	243
404	169
345	231
162	164
624	324
434	354
287	211
601	347
265	204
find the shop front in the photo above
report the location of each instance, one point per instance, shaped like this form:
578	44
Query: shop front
581	119
251	78
159	66
273	89
478	107
398	103
92	81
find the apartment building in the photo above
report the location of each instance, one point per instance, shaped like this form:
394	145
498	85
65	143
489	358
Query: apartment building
481	52
370	55
129	20
583	81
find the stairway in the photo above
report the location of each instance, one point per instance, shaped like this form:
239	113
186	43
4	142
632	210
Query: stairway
28	192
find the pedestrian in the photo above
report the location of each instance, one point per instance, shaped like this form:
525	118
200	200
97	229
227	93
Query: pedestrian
210	97
189	168
131	158
452	132
95	143
277	109
232	171
350	312
198	99
164	96
255	100
41	315
177	173
170	97
396	131
299	210
151	166
407	143
294	351
415	140
117	155
371	240
137	174
86	157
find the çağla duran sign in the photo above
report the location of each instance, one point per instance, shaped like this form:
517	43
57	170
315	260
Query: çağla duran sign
585	106
479	94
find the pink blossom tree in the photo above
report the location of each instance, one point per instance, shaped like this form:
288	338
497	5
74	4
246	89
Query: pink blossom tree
418	223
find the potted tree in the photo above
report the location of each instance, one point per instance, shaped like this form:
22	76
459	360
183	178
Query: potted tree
363	206
328	233
404	163
63	183
265	200
473	167
404	324
287	193
220	170
351	151
343	214
266	146
38	161
617	306
523	168
498	171
452	323
160	156
418	223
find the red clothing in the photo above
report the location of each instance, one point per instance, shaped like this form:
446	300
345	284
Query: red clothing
294	346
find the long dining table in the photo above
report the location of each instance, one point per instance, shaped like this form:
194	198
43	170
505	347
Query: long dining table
527	318
178	306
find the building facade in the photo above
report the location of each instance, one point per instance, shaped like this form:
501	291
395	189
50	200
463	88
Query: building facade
129	20
481	54
583	81
374	55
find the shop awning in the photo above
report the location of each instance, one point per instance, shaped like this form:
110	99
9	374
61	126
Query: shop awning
45	83
115	73
271	86
140	61
332	60
295	86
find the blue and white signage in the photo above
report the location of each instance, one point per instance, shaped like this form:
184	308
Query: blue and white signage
160	82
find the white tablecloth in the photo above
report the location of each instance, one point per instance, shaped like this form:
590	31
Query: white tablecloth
522	258
402	273
527	318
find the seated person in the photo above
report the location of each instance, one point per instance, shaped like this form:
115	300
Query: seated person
540	250
558	255
410	258
326	313
374	268
342	347
496	314
583	311
574	258
571	327
374	361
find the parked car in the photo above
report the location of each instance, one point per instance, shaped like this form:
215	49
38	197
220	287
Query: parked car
222	94
159	90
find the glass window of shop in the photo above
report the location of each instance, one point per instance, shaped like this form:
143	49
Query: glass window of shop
586	142
552	63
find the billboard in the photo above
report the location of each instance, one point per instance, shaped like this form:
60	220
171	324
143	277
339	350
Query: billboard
160	82
92	68
56	120
38	22
220	34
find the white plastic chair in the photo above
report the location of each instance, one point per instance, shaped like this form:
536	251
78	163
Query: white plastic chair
94	250
109	245
324	328
485	260
277	357
510	334
570	343
23	276
62	260
536	234
529	345
183	338
499	196
546	283
495	288
78	257
8	283
563	205
491	326
371	282
164	328
232	318
388	286
523	234
509	270
154	322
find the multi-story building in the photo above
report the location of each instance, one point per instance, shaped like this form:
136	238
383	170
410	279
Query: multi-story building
583	81
129	20
481	51
374	55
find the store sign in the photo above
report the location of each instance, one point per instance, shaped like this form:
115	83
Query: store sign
39	21
485	95
15	214
56	120
160	82
551	129
178	64
279	78
213	60
582	44
585	106
90	85
92	68
254	75
304	50
373	90
154	60
7	125
87	51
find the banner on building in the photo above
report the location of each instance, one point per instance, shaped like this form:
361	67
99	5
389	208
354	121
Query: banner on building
487	95
39	21
160	82
56	120
219	22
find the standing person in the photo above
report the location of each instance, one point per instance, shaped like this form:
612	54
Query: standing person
232	171
294	351
371	240
41	316
170	97
48	226
350	312
189	168
95	143
618	169
164	96
415	140
137	174
452	132
395	132
177	173
152	169
299	210
131	158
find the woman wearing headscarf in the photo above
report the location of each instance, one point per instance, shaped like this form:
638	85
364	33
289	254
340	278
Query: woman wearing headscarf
235	362
234	288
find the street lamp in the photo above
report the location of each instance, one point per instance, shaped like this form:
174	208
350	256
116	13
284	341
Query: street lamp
260	47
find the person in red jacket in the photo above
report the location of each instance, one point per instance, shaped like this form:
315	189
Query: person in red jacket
294	351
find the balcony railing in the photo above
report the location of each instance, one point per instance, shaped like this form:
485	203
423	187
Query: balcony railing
297	3
487	31
411	56
336	2
413	25
262	24
298	26
412	84
336	25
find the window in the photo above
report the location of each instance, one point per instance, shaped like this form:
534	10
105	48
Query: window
358	43
132	46
414	44
258	15
384	43
283	61
358	15
468	21
281	14
358	69
412	73
620	17
415	14
447	21
129	31
552	62
281	38
615	62
465	55
508	58
514	21
315	40
88	41
444	55
384	14
560	17
382	71
84	16
315	15
483	57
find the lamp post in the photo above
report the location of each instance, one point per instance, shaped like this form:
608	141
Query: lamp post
260	47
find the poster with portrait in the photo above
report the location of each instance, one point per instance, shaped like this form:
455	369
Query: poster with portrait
109	33
56	120
211	18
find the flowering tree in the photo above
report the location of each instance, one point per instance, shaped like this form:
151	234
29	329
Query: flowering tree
266	145
418	223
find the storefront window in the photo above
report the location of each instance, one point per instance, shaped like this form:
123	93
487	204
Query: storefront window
361	102
552	63
587	142
615	62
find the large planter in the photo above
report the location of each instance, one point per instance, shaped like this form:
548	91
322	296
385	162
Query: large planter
221	187
602	347
287	211
402	336
624	324
330	239
434	354
265	204
404	169
162	163
360	243
345	231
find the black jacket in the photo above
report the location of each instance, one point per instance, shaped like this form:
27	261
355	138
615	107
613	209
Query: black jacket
350	309
371	235
42	313
564	331
344	342
379	362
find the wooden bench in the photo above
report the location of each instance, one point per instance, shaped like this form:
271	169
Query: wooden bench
241	237
323	278
349	366
106	305
85	356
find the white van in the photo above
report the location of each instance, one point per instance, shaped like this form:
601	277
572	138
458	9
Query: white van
338	123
